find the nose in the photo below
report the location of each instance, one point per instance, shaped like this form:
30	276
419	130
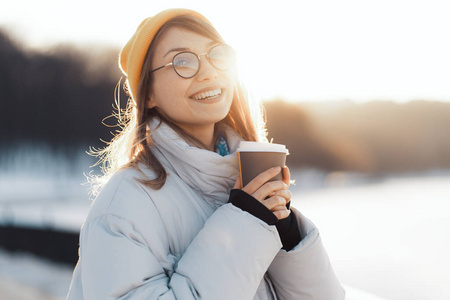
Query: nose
206	70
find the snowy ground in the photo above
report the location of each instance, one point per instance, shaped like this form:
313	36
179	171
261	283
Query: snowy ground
27	277
390	238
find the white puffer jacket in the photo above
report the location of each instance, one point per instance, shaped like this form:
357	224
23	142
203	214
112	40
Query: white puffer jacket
186	242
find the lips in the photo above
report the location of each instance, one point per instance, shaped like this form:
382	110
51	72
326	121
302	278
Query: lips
207	94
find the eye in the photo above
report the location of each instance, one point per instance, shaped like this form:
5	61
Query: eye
181	62
185	59
222	56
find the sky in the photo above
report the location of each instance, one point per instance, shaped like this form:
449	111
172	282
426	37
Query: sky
321	50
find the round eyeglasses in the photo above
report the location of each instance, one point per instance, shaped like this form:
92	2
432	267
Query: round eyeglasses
186	64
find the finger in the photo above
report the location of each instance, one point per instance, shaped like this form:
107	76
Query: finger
268	189
286	175
237	184
282	214
279	207
286	194
261	179
273	202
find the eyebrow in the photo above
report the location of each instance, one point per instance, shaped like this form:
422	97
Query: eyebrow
175	49
178	49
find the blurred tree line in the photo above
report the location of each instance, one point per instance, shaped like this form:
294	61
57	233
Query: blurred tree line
60	96
57	97
375	137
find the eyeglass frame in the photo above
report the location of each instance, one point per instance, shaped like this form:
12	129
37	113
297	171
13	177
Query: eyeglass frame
199	61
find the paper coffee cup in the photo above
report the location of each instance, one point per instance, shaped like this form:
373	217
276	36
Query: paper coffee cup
257	157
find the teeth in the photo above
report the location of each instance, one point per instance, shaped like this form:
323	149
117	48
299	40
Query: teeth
208	94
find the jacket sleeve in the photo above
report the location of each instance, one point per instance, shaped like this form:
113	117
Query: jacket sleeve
305	272
222	262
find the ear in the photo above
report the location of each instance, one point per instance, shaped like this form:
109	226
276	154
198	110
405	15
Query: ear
150	103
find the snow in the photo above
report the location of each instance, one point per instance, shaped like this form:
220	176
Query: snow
61	216
25	276
387	239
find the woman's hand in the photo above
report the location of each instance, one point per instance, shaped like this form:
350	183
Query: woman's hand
274	194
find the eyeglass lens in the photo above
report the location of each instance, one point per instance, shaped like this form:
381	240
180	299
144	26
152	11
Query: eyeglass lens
186	64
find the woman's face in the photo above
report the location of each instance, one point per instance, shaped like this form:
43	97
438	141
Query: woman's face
185	101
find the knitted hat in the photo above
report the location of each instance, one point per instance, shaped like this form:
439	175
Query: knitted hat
131	58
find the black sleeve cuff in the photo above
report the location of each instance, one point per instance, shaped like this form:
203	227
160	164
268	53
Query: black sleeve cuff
289	232
287	228
248	203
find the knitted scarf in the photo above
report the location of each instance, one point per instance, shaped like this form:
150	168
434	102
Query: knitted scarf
208	172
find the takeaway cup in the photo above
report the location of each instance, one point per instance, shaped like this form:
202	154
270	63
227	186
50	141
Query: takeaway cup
257	157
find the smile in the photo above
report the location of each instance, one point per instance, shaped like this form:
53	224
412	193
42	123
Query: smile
208	95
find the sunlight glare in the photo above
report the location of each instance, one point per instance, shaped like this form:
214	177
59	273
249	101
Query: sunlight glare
298	50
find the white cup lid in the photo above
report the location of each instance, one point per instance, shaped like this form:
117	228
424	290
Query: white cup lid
245	146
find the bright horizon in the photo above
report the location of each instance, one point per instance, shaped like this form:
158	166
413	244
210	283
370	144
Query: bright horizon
296	50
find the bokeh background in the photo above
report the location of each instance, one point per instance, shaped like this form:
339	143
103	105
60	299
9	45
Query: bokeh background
357	90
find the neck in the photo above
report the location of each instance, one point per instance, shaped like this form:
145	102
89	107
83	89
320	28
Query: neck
204	134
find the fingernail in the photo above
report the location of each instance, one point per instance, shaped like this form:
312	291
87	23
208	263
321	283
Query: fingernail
278	169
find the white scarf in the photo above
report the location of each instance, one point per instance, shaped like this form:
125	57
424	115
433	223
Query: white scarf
206	171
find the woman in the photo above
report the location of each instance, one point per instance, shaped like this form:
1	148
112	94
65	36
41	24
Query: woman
171	221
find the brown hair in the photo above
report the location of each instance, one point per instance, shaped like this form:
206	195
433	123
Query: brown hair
132	146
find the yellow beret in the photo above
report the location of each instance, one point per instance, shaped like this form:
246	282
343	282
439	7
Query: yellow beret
132	55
